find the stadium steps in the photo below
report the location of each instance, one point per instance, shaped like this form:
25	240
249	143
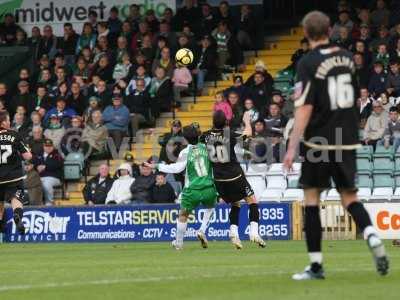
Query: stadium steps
276	56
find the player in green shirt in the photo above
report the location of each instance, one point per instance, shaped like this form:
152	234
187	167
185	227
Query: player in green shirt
199	185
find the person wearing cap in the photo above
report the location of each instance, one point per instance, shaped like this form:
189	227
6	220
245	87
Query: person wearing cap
116	118
55	131
260	67
96	189
343	21
204	63
33	185
377	80
171	143
49	165
120	192
162	191
375	125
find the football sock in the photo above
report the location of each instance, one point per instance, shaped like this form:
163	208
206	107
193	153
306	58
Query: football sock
233	230
206	219
180	232
254	215
313	232
360	215
234	215
253	228
18	214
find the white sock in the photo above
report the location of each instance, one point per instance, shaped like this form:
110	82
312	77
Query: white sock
253	228
315	257
233	230
180	232
368	231
206	219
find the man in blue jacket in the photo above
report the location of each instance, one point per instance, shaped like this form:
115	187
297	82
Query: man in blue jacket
116	118
63	112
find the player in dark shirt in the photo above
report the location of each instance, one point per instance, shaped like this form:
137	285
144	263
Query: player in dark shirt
231	183
327	118
12	151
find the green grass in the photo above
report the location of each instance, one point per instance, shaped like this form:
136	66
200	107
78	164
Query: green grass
155	271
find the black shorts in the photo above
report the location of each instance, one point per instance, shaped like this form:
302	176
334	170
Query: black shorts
233	191
337	165
12	190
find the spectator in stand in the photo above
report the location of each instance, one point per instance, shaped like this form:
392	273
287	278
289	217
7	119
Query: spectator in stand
63	113
35	121
260	91
365	104
22	98
164	62
4	94
377	80
140	74
138	104
95	134
375	126
76	100
361	70
382	38
138	37
120	192
161	93
393	80
20	38
67	44
380	16
237	110
344	21
134	17
224	14
169	36
391	135
251	110
55	131
360	47
49	165
239	88
162	191
87	39
222	36
207	22
36	141
365	34
34	41
171	143
127	33
344	40
20	125
275	123
260	68
222	105
8	29
122	49
395	52
258	142
186	14
151	19
181	79
71	141
96	189
141	188
102	93
122	69
114	23
394	36
205	63
116	118
32	185
103	69
383	55
48	43
92	20
277	98
246	27
147	48
42	100
304	49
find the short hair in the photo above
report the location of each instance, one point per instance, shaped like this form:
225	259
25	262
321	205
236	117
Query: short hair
3	116
92	13
114	9
219	119
316	24
393	109
191	134
67	24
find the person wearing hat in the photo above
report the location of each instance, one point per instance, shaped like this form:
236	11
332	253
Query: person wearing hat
61	110
260	68
33	185
162	191
55	131
343	21
375	125
204	62
171	143
377	80
49	165
120	192
116	118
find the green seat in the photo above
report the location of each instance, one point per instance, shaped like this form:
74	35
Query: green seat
383	179
364	164
364	179
397	163
381	151
397	178
293	183
383	164
365	151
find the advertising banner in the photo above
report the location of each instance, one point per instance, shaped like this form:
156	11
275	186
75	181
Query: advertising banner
138	223
31	13
386	218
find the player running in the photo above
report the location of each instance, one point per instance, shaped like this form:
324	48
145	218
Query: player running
199	185
326	115
11	173
231	183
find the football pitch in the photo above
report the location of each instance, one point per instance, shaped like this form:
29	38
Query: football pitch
155	271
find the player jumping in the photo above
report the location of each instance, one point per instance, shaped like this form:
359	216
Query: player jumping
326	115
199	185
11	173
231	183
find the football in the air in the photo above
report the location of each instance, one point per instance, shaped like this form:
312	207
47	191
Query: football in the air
184	56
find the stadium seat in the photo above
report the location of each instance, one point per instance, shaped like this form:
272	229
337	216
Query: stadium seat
277	182
381	194
257	182
293	181
364	152
397	162
275	169
364	180
364	194
397	178
383	179
364	164
383	164
293	195
396	195
382	151
256	169
333	195
271	195
296	169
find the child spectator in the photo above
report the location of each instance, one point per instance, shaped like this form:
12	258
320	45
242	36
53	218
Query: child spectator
251	110
122	69
223	105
